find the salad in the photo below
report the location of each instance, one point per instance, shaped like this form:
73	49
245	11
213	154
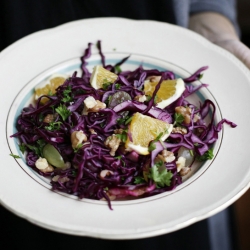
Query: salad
111	134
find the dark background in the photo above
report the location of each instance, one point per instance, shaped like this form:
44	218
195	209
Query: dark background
30	236
241	207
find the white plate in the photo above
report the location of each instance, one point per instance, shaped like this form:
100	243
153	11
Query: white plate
213	187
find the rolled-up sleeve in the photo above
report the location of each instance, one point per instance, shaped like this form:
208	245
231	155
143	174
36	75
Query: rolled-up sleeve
224	7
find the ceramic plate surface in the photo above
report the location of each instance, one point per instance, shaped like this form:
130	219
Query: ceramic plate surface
209	188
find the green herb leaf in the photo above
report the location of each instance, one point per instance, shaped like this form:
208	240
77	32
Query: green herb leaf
191	152
179	118
107	101
156	99
124	120
117	86
151	146
117	69
128	120
78	147
22	148
53	126
38	147
66	93
206	156
15	156
74	173
63	112
122	137
148	98
200	76
106	84
160	175
139	180
152	143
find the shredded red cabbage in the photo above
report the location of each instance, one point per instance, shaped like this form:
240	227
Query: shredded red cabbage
91	171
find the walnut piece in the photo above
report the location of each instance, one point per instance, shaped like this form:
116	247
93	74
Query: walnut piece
118	131
105	173
57	178
140	98
113	143
77	137
186	112
154	78
92	131
43	165
180	163
185	171
165	156
49	118
179	130
92	105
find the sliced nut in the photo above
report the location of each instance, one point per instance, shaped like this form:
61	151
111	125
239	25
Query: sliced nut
77	137
140	98
180	163
92	131
185	171
179	130
92	105
49	118
43	165
113	143
166	156
66	166
186	112
154	78
61	179
118	131
105	173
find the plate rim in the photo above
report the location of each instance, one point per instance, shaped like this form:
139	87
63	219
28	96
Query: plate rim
195	36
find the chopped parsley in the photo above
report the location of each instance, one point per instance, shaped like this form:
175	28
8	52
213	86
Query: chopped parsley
38	147
160	175
123	136
78	147
148	98
152	145
22	148
124	120
119	157
15	156
200	76
53	126
50	93
106	84
63	112
117	86
66	95
139	180
178	119
117	69
208	155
